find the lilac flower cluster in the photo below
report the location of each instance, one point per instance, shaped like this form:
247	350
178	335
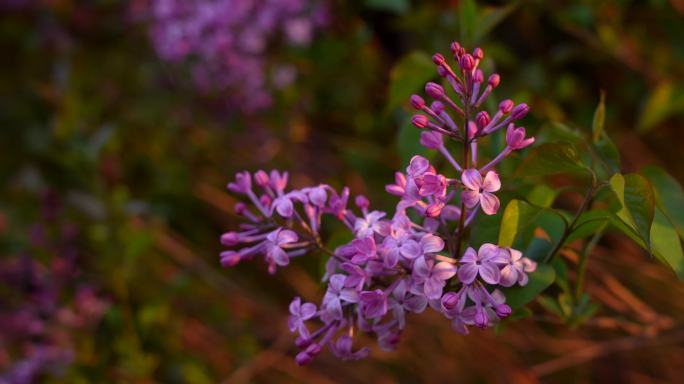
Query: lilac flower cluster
399	265
37	324
226	41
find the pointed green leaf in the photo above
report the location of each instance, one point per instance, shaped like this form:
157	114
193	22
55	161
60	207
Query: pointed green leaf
599	118
669	196
666	244
635	194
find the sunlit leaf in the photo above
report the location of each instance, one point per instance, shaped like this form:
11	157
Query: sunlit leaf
516	217
635	194
599	119
669	196
666	244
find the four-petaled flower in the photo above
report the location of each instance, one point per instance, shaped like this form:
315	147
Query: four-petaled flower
485	262
274	243
371	223
516	269
299	313
481	191
373	303
430	277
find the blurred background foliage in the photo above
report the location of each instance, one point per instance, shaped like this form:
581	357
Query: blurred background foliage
114	165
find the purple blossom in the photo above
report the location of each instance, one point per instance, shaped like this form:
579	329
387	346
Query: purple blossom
430	278
481	191
299	313
516	269
485	262
373	303
274	245
392	266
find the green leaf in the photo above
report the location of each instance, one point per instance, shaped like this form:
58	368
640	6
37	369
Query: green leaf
588	223
550	159
516	217
666	244
599	118
399	7
542	195
608	153
540	279
635	194
408	76
669	196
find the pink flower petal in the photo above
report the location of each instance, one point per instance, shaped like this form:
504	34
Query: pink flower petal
490	203
490	273
470	198
472	179
491	182
431	243
467	273
443	271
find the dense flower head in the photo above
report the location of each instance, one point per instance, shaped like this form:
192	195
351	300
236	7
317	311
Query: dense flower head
226	42
396	264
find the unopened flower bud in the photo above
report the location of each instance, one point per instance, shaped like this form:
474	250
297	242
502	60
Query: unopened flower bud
303	358
261	178
519	111
481	320
230	239
515	137
455	47
450	301
434	210
417	102
467	63
362	202
494	80
478	53
431	140
240	208
420	121
503	310
482	119
434	90
506	105
229	258
438	59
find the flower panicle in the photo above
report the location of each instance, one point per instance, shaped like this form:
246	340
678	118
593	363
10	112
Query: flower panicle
396	265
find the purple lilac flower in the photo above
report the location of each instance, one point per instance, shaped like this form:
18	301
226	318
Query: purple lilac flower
299	313
484	262
430	278
227	43
397	264
481	191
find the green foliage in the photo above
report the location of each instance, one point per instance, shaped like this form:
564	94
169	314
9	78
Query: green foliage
635	195
551	159
541	279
